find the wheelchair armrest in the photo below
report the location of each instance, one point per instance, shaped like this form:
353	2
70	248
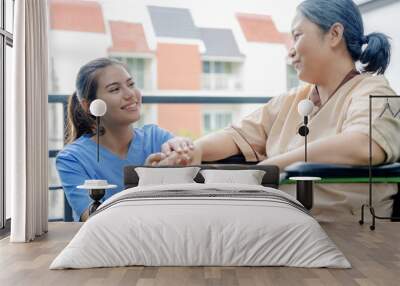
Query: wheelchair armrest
341	171
235	159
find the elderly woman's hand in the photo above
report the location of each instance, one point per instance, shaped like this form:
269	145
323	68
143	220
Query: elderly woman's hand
177	144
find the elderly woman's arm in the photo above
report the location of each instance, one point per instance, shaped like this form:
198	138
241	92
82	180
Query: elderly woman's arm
213	147
347	148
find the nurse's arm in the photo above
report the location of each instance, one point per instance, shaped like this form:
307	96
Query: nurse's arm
346	148
214	146
72	174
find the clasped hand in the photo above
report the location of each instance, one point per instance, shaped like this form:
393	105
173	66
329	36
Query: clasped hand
178	151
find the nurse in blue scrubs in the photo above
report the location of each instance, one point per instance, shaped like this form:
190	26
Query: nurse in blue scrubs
120	143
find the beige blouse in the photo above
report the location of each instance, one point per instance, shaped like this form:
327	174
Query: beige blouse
273	129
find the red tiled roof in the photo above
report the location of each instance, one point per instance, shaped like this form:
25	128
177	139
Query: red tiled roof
260	28
128	37
77	15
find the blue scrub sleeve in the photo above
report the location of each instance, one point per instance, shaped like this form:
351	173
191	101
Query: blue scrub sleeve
162	136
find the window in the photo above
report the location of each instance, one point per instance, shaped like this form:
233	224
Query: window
139	68
6	43
221	76
56	142
216	120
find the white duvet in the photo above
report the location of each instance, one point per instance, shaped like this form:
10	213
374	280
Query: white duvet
267	229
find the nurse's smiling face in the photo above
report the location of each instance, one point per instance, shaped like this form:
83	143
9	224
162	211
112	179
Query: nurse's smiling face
310	51
117	88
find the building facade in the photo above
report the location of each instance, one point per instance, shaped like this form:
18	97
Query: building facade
167	52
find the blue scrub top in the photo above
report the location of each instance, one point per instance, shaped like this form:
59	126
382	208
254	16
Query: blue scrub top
77	162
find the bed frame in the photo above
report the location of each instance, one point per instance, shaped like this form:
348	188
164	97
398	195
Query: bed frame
270	179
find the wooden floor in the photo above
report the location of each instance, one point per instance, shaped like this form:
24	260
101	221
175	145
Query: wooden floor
374	255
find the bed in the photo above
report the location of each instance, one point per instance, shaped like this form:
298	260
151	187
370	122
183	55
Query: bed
201	224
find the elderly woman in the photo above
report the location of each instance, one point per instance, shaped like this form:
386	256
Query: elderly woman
329	41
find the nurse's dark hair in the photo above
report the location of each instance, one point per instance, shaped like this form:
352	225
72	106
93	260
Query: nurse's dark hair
79	121
374	56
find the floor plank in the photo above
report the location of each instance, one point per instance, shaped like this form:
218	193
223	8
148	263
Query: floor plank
374	255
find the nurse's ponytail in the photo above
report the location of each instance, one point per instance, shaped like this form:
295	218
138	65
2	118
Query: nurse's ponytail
80	121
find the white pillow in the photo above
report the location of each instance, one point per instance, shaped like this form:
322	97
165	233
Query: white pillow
165	176
248	177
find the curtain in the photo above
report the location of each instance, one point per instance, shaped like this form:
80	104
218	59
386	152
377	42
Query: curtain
26	123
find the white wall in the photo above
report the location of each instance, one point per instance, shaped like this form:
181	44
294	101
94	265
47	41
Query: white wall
385	20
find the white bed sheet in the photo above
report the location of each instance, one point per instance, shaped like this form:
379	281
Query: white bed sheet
205	231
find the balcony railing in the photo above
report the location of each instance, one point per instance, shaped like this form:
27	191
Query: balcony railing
150	99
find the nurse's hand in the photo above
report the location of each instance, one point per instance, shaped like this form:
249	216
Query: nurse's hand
177	144
174	159
154	159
